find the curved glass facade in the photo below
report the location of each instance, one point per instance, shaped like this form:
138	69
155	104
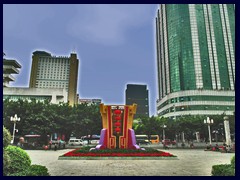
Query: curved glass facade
196	52
180	48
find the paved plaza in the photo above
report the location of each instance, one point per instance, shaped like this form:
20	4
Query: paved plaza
191	162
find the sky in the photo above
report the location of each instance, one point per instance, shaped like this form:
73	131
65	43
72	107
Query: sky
115	44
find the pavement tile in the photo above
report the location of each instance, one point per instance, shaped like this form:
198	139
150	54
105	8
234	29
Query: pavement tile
191	162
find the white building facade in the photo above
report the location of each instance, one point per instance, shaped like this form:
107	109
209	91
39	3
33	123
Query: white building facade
53	95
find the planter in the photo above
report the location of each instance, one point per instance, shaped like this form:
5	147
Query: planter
116	154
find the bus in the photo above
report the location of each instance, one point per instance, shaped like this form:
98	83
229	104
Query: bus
32	141
154	139
143	139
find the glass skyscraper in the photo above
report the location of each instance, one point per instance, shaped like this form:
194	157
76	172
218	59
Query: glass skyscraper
195	59
137	93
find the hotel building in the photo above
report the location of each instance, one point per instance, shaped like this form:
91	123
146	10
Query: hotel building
55	72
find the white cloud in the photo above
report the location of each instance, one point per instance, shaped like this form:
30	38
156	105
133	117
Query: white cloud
106	24
99	23
24	21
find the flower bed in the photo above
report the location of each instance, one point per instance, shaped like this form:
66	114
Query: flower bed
84	152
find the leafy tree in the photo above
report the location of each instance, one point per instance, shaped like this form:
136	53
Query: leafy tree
45	118
6	157
6	137
150	125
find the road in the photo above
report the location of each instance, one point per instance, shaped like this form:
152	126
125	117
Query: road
192	162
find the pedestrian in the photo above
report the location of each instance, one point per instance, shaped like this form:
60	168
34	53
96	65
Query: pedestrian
228	149
21	142
191	145
55	146
50	145
183	145
165	146
224	147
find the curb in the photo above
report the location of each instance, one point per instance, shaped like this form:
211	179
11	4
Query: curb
117	158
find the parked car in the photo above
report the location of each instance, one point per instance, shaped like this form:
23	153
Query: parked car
95	141
142	141
166	142
174	142
60	144
76	142
91	140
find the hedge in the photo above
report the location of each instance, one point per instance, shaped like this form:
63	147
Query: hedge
33	170
19	160
6	159
233	161
6	162
223	170
6	137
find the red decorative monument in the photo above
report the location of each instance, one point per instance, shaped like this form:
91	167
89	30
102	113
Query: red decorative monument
117	132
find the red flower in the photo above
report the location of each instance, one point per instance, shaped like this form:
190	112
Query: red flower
118	154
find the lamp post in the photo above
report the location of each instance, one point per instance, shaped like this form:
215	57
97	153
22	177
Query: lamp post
197	136
164	126
227	130
209	122
14	119
183	137
216	135
221	131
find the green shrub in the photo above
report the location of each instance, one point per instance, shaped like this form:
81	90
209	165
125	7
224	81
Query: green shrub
233	161
38	170
33	170
6	137
223	170
6	162
19	160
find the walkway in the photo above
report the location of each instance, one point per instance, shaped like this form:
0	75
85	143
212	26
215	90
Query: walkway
192	162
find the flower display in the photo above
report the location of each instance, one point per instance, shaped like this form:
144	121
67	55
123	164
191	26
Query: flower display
84	152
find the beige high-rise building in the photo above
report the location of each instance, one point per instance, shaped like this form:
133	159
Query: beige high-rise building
55	72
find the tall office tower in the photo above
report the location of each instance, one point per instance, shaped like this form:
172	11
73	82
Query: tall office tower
55	72
195	59
138	94
10	66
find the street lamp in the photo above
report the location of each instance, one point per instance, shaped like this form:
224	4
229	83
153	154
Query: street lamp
164	126
209	122
227	130
216	135
14	119
221	131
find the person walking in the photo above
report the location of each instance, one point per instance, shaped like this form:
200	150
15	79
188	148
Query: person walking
55	146
191	145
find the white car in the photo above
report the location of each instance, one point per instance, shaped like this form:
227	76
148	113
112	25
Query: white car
95	141
76	142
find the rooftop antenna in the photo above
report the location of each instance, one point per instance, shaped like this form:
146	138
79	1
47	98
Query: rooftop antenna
74	50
